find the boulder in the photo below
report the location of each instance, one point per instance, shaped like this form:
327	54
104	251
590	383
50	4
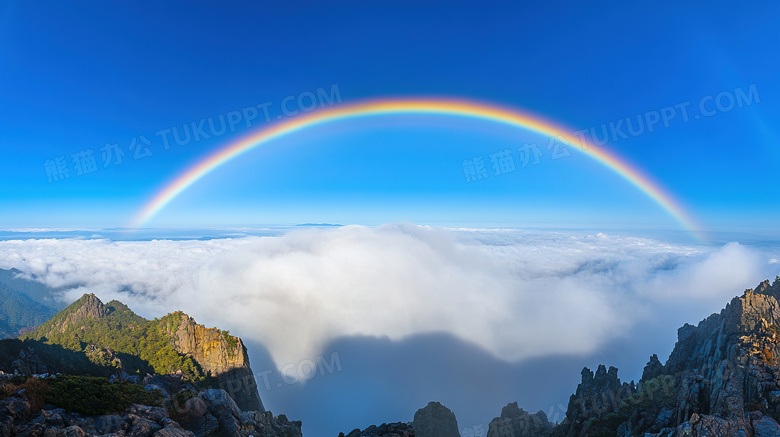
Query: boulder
224	409
195	417
71	431
154	414
140	427
34	430
52	418
108	424
16	406
6	425
172	429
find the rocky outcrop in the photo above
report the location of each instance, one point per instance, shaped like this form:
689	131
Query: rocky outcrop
267	425
516	422
219	354
435	420
721	379
397	429
726	367
28	363
596	397
652	369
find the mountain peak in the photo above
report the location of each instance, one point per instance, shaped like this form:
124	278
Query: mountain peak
90	306
86	307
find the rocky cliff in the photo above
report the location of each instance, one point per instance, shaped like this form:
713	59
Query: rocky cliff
219	354
721	379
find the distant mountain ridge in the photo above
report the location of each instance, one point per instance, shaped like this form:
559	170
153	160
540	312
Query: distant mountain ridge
24	304
37	291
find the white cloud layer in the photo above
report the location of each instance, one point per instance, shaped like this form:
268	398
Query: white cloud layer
519	294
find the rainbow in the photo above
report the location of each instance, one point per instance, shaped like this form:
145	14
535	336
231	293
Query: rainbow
385	107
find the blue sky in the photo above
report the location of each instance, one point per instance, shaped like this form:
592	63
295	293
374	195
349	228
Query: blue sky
78	77
611	289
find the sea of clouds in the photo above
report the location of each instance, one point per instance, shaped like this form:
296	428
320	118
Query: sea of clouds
518	294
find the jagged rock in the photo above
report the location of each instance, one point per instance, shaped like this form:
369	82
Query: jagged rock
397	429
122	376
162	392
109	424
16	406
229	362
172	429
88	306
652	369
28	363
50	417
140	427
435	420
516	422
34	430
249	417
154	414
168	384
195	417
173	432
72	431
277	426
103	355
222	406
596	396
6	425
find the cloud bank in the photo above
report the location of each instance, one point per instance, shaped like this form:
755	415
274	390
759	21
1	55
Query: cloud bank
517	294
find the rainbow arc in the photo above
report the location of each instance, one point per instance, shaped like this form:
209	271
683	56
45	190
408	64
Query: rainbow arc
387	107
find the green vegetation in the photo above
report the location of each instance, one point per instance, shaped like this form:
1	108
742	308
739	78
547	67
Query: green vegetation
141	346
232	342
86	395
91	396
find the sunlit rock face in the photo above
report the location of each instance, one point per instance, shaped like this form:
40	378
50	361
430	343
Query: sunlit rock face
220	355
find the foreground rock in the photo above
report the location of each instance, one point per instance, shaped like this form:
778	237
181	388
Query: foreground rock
212	412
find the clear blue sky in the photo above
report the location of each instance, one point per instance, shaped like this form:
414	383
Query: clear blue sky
79	76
